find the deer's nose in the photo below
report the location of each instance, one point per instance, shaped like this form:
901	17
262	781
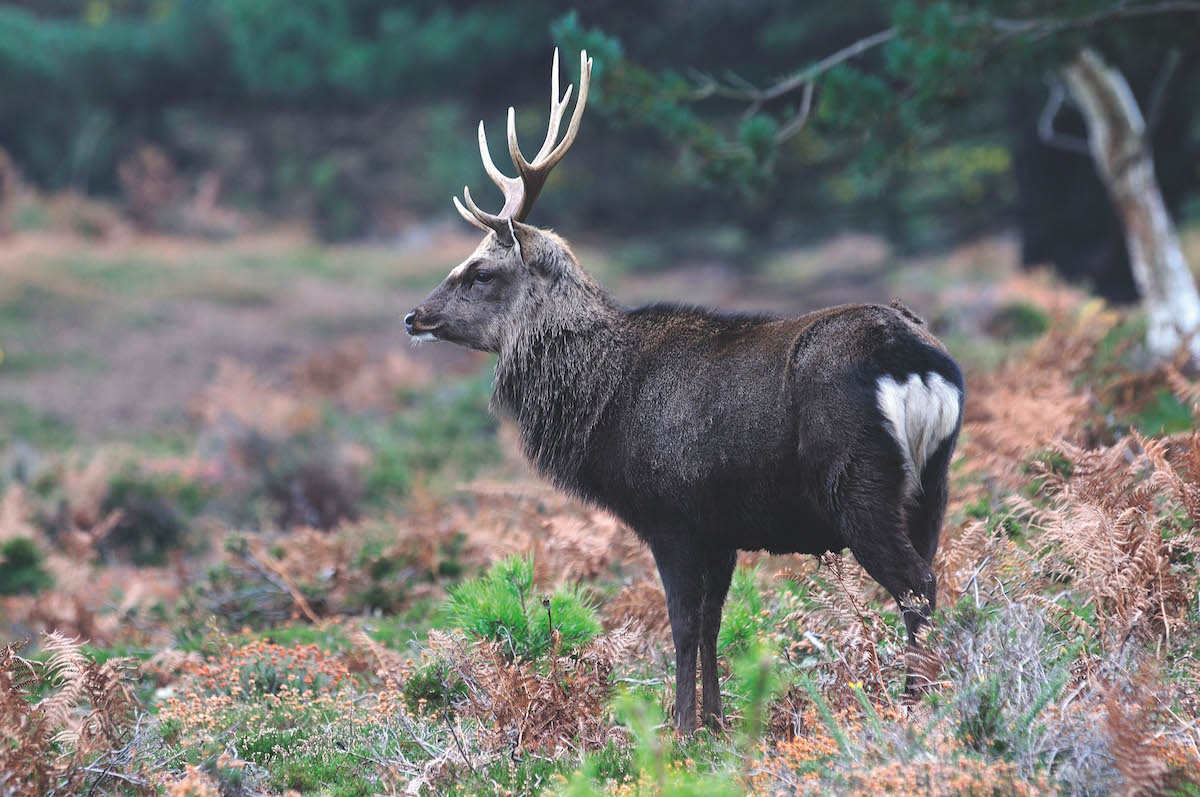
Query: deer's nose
408	321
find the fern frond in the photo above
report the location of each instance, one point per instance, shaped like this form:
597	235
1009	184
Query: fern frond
66	668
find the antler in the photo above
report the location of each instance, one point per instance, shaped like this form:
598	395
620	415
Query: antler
522	191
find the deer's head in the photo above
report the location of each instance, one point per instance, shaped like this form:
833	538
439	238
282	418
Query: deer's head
507	278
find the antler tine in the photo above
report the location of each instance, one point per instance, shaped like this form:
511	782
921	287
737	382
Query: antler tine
557	106
470	217
521	191
502	180
585	80
493	221
513	188
524	167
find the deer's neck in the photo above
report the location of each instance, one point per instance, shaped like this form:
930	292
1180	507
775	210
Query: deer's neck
558	379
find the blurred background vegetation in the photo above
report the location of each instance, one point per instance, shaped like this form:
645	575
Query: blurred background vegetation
220	456
358	116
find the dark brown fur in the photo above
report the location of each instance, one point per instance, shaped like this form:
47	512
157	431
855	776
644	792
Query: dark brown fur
707	433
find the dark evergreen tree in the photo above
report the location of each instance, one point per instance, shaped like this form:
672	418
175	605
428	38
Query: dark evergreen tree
939	72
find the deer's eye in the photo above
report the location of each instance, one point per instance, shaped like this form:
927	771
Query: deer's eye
483	277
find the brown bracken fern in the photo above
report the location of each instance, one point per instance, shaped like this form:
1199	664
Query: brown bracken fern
73	737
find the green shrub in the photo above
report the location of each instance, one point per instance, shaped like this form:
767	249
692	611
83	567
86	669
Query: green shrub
653	760
21	570
156	512
433	685
502	606
1163	415
743	619
1018	321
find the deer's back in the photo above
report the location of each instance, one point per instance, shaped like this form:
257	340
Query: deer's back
734	421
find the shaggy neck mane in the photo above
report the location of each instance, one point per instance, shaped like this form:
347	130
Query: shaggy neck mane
557	373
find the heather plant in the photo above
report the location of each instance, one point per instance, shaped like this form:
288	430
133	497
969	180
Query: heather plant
262	700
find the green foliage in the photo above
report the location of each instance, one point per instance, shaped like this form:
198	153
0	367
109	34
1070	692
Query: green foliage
916	125
21	568
631	94
177	72
1120	340
756	680
335	775
156	510
170	730
432	688
653	763
744	619
391	574
330	637
502	606
446	432
236	53
20	422
279	50
1018	321
1165	414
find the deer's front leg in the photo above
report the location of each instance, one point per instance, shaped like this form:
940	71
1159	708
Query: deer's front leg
682	573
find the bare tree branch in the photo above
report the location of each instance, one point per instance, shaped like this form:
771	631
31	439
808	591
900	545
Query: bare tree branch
809	74
1045	125
797	122
735	87
1158	92
1041	28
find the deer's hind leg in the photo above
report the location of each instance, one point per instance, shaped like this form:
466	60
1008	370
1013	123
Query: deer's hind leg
718	574
872	518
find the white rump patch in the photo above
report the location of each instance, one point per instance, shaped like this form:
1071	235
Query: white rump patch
921	413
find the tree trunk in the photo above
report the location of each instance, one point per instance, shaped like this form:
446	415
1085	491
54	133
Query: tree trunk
1117	140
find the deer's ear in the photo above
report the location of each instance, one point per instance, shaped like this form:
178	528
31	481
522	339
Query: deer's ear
527	243
505	233
541	252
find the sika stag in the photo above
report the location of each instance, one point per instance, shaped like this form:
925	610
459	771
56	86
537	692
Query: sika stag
706	432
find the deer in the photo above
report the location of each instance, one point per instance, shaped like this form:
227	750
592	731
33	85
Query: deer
707	433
